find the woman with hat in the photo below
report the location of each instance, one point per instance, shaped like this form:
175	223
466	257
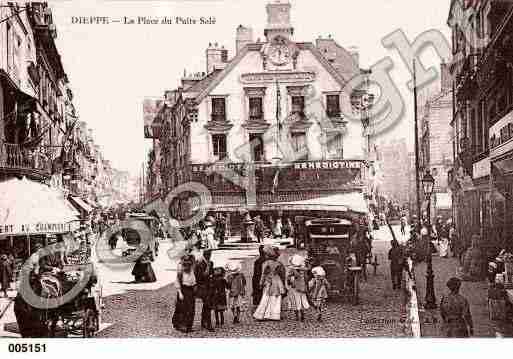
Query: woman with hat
455	312
298	286
209	234
273	286
257	275
183	317
143	271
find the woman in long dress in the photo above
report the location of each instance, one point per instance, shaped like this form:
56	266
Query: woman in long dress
443	247
278	228
183	317
273	286
143	271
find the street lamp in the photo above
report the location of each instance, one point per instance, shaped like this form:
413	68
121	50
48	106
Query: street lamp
428	183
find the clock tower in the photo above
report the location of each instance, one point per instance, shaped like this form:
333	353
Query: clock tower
278	20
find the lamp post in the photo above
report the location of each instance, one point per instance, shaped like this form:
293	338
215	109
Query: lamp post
428	183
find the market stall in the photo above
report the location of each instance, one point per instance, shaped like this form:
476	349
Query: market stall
29	212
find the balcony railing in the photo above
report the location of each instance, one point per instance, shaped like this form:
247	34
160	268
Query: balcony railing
26	160
467	70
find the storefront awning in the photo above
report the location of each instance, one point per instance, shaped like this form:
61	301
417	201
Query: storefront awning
443	200
28	207
80	204
344	202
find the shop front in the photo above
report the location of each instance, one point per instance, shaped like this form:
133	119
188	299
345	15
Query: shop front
285	190
471	200
501	155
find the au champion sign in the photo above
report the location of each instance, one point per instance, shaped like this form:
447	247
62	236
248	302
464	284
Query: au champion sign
35	228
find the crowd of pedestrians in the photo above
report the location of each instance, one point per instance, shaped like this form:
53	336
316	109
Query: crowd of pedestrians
221	289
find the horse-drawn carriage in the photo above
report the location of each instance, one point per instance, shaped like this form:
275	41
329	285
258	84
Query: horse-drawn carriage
328	244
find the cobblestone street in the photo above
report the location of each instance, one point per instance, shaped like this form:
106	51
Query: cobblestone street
148	313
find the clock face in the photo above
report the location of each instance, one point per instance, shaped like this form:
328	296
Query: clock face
280	55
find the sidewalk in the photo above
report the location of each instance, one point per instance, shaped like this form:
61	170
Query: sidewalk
475	292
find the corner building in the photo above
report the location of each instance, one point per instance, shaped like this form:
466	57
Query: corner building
277	109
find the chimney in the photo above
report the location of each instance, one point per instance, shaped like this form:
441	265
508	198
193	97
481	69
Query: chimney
327	47
244	36
191	79
445	77
355	54
217	57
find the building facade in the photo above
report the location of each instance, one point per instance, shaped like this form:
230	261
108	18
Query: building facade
41	136
272	115
482	126
395	169
435	142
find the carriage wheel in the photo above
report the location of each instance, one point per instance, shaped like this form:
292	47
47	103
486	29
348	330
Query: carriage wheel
89	323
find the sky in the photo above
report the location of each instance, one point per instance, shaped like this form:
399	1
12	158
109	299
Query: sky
113	67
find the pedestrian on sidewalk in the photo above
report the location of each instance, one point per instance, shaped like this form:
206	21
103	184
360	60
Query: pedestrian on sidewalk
259	229
204	268
209	234
318	289
237	289
12	262
257	275
361	248
403	225
292	229
219	287
298	286
273	286
278	229
455	312
5	274
396	258
183	317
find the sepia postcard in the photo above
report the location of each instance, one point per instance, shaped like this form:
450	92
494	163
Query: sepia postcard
264	169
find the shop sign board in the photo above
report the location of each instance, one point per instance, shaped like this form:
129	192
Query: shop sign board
328	165
34	228
304	165
482	168
501	136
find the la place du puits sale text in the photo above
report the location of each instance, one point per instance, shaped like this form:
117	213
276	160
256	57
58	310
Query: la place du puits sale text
144	20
